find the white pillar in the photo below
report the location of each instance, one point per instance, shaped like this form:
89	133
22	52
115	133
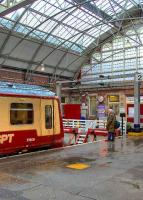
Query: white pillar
58	90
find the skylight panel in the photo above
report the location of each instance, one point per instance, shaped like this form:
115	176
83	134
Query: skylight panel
97	32
75	38
15	14
104	5
38	34
80	15
51	10
77	49
124	4
54	40
5	3
70	20
76	23
32	19
74	28
87	41
64	32
113	7
60	16
62	4
22	29
6	23
86	16
38	5
46	8
101	3
48	26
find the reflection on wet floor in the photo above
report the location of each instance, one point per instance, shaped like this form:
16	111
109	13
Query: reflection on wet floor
137	140
111	147
107	147
115	167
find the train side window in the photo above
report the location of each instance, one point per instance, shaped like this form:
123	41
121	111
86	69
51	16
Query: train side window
48	116
21	113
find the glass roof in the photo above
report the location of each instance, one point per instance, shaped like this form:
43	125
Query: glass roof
113	7
24	89
72	24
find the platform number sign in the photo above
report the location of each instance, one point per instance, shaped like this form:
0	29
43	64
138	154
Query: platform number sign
139	77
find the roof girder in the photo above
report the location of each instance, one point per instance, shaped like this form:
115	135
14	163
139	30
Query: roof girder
40	46
31	62
11	6
94	9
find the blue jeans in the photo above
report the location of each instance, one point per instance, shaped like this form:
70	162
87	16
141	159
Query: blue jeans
111	136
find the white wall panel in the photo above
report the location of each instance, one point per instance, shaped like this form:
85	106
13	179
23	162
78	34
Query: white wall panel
17	64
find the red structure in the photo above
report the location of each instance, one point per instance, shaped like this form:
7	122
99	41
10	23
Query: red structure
131	118
71	111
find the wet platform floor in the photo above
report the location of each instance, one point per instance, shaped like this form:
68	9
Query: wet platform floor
114	172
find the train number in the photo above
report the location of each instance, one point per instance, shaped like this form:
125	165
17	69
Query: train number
30	139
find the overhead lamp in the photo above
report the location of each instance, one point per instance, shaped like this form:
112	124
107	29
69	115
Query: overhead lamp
42	67
128	43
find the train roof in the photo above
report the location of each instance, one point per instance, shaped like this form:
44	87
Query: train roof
24	89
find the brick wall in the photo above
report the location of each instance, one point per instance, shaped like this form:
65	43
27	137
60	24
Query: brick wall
19	77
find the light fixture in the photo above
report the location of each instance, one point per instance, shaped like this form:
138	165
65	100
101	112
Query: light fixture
128	43
42	67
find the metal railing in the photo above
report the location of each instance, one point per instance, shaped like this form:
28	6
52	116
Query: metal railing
88	124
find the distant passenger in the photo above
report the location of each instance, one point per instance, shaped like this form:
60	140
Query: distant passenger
111	125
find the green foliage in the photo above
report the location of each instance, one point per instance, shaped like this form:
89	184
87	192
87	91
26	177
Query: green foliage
128	126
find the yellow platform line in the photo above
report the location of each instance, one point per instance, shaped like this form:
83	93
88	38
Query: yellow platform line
135	133
78	166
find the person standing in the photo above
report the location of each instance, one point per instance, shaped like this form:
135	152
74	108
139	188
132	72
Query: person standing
110	126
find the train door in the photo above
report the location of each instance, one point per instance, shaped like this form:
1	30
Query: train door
47	117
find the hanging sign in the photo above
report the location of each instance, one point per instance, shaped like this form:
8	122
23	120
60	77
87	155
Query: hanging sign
139	77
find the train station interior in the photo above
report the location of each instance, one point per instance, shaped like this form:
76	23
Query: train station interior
71	99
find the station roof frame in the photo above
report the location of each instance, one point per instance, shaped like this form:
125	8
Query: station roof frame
73	25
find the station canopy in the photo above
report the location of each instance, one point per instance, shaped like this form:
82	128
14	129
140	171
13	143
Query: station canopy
62	33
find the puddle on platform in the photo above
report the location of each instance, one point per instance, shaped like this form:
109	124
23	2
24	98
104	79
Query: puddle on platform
78	159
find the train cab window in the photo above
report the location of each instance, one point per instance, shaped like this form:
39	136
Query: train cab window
21	113
48	116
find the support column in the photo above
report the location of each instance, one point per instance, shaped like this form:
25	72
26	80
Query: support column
136	103
58	90
137	131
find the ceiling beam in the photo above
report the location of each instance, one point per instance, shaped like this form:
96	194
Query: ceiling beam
9	6
32	62
94	9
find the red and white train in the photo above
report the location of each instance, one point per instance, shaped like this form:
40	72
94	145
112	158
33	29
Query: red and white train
30	118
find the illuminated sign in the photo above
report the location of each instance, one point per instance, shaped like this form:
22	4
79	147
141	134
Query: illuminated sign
113	98
6	137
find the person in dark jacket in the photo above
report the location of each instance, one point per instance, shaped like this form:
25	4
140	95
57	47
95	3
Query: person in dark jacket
110	126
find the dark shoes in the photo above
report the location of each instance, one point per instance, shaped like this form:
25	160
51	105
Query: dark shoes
111	140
